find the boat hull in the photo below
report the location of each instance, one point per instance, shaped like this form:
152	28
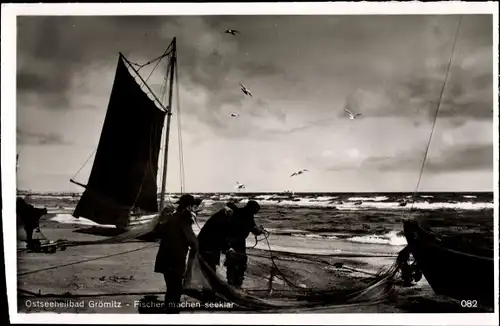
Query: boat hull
450	272
124	222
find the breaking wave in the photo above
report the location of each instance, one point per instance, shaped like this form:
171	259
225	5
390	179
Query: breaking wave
378	198
393	238
359	204
348	202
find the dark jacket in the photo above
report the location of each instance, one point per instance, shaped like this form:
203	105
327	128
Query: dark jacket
176	237
223	231
241	225
213	235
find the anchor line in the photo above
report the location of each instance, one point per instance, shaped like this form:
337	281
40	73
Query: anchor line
436	113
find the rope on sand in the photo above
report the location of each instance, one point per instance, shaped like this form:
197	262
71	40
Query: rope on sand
85	260
28	294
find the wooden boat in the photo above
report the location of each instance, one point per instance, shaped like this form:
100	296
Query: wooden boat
450	267
122	186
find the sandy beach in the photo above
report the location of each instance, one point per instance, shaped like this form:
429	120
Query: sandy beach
79	280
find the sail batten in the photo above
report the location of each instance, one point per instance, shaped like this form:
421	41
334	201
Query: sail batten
124	173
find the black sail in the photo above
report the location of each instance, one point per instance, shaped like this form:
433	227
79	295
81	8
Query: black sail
124	172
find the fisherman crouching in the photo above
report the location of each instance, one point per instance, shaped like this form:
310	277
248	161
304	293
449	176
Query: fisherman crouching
176	239
226	232
30	219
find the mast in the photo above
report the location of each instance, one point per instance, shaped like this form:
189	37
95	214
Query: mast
169	115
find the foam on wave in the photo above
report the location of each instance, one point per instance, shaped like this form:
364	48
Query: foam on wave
393	238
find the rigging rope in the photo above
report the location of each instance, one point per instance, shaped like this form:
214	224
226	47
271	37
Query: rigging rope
163	92
166	53
86	161
436	115
157	63
179	129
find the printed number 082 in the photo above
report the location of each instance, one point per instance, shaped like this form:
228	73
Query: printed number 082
468	303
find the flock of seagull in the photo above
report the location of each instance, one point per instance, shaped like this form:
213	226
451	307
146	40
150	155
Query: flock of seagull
247	92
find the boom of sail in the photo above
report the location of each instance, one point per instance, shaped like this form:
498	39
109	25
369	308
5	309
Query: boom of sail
123	178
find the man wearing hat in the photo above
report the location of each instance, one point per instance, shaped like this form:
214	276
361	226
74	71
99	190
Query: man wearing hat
176	238
226	231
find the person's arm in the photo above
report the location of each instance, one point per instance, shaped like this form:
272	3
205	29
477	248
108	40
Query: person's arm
189	234
256	230
232	206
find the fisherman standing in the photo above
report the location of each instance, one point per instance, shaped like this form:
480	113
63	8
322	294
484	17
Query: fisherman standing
226	231
213	236
176	239
240	226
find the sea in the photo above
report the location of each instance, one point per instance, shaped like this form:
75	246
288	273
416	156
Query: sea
363	218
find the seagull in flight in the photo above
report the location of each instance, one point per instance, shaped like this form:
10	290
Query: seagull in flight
298	172
239	185
352	116
235	115
245	90
232	32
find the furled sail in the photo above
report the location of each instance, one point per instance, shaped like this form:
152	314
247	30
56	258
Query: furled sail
124	173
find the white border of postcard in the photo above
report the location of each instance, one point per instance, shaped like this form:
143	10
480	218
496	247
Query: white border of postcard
8	153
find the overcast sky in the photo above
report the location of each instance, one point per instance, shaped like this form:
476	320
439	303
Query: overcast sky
302	71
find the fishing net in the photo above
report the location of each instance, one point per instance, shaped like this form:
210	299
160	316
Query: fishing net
281	281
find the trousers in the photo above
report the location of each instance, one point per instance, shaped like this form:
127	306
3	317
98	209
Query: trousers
29	236
236	266
173	280
212	258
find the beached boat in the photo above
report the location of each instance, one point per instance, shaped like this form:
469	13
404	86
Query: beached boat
122	186
451	267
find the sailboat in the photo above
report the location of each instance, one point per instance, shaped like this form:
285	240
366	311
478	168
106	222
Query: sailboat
122	186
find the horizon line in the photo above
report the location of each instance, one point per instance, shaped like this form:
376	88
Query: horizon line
278	192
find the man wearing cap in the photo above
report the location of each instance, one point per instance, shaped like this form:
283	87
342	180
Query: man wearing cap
176	238
226	231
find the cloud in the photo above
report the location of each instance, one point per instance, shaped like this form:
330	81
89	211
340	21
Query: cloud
414	91
466	157
468	94
45	60
34	138
302	71
212	65
54	53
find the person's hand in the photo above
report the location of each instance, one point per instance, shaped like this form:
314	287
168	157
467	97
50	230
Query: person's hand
229	211
193	248
261	229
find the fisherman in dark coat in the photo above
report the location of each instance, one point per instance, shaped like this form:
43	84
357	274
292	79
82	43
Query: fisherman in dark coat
213	236
240	225
30	218
176	239
226	232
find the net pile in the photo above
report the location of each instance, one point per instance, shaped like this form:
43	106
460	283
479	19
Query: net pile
281	281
